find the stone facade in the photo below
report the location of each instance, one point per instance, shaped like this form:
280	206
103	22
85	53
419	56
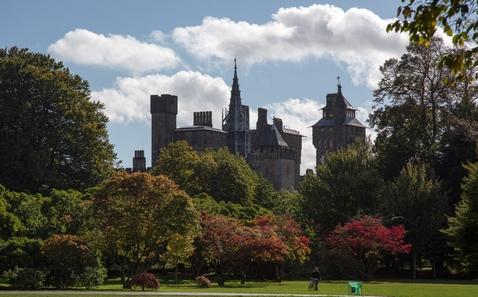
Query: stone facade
271	149
338	126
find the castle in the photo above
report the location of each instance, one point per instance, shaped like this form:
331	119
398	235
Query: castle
271	149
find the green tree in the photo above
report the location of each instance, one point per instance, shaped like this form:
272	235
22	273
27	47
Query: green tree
217	173
53	135
138	214
416	201
457	18
411	107
347	183
463	226
233	179
178	250
182	163
421	114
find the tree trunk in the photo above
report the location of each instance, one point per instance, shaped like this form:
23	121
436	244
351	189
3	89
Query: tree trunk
414	263
243	277
176	273
219	275
279	268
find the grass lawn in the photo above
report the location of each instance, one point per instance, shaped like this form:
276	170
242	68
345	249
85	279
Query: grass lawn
380	288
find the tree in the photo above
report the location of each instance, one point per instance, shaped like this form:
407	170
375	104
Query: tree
411	107
416	200
228	242
233	179
290	234
217	173
216	241
457	18
180	162
53	134
423	115
67	259
463	226
367	240
178	250
346	184
138	214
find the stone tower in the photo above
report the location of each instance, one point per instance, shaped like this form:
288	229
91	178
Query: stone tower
338	126
236	121
272	157
164	109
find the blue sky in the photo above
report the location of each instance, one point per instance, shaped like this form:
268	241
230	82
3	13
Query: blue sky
289	54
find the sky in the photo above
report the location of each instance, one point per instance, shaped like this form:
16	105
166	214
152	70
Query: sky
289	54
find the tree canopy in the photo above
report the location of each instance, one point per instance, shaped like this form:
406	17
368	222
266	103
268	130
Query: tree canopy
138	215
457	18
463	226
52	134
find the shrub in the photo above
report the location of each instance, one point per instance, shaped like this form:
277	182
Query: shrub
203	281
68	257
145	280
92	276
25	278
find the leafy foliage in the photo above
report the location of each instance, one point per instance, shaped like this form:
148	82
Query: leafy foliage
228	242
416	201
219	174
463	226
138	215
347	183
25	278
21	252
145	280
411	111
67	259
53	135
457	18
366	239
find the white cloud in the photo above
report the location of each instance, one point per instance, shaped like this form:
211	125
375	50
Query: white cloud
129	99
356	38
85	47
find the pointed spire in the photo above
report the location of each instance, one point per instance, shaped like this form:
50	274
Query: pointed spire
235	80
339	86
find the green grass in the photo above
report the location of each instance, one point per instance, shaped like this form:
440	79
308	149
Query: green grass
380	288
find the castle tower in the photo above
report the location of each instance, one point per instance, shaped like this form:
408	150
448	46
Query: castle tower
338	126
164	109
236	121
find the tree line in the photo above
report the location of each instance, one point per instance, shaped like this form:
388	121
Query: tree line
68	217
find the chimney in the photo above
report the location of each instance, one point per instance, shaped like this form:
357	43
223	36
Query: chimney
278	123
203	118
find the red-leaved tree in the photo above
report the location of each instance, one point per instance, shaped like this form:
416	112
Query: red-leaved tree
228	242
368	240
291	235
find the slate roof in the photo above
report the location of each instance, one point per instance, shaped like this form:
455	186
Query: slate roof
353	122
291	131
323	122
272	137
198	128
